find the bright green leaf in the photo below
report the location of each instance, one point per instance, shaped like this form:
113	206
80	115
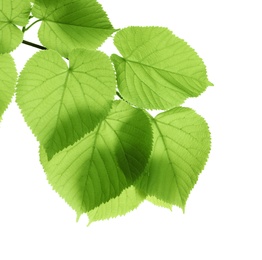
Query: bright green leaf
127	201
8	77
13	13
104	162
61	103
181	148
68	24
158	70
159	203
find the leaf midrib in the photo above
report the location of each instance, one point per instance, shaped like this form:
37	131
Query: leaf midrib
89	166
164	70
167	152
87	27
61	102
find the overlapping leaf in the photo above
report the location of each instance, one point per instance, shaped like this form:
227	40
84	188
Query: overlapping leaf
158	70
181	148
13	13
93	155
8	77
127	201
104	162
68	24
61	103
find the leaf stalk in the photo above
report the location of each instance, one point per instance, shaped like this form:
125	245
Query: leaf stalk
27	28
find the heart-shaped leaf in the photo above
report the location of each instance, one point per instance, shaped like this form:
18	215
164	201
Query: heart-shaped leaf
104	162
68	24
181	148
158	70
61	103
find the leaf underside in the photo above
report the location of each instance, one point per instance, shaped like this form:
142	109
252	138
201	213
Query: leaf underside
180	151
60	103
13	13
8	77
104	162
158	70
71	24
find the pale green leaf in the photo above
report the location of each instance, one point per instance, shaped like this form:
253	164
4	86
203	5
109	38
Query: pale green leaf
61	103
8	77
158	202
68	24
13	13
127	201
181	148
158	70
88	173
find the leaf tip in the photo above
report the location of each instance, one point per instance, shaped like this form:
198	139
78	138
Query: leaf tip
90	221
210	84
78	215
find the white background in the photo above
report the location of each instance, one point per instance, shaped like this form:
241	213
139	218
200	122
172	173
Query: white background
223	218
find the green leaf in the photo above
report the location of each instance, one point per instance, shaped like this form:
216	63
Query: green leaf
158	70
68	24
8	76
61	103
158	202
13	13
127	201
104	162
181	148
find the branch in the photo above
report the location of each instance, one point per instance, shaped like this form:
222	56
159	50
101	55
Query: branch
34	45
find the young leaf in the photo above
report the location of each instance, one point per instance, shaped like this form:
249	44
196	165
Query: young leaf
158	70
61	104
127	201
13	13
88	173
181	148
8	76
68	24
